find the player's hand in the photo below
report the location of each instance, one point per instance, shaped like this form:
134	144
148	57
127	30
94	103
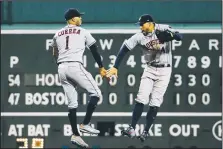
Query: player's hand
102	71
112	71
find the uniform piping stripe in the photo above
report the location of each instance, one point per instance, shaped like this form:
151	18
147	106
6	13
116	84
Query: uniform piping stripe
91	44
127	46
88	79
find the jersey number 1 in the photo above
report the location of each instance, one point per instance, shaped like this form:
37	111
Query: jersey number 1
67	42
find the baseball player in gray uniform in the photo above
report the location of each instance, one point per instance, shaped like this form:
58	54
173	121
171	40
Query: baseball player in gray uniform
156	75
68	47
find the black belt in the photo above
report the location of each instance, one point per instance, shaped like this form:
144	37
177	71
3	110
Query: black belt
158	65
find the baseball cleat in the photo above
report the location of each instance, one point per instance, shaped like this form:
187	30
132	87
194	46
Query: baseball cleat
88	129
130	132
77	140
143	136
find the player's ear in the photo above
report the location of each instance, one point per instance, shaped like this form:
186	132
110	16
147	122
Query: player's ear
141	27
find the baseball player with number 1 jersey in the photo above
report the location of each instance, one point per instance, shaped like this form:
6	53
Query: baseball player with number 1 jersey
68	47
155	41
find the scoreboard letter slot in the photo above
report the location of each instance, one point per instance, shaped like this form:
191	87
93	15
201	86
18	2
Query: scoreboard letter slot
130	98
113	81
14	98
131	61
13	61
131	80
191	99
178	80
177	99
192	80
112	60
206	99
14	80
206	80
206	62
177	61
112	98
191	62
98	80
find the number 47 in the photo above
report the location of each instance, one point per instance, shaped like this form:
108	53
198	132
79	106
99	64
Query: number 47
14	98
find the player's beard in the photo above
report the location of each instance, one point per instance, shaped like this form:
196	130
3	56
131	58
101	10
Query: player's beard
147	28
147	31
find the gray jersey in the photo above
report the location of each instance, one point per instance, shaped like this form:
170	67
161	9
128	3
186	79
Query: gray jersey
163	56
71	42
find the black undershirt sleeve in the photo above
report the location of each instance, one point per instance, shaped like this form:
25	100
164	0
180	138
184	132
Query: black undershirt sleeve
96	55
122	52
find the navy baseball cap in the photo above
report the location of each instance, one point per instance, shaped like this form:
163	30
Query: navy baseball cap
145	18
72	12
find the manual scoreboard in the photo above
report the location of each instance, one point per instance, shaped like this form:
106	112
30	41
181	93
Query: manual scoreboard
34	107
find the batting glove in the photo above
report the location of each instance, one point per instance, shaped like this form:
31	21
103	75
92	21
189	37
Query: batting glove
102	71
112	71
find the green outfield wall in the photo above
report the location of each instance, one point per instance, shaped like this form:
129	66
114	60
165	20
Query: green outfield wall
108	11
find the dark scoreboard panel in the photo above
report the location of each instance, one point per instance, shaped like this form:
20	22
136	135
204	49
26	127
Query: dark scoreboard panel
167	132
191	108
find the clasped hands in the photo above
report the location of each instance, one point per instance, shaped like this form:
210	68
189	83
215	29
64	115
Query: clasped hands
108	73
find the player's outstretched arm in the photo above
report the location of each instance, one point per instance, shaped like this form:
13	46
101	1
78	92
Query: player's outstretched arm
114	70
177	36
168	35
97	57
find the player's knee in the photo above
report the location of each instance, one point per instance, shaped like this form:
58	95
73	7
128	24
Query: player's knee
139	104
72	106
142	98
153	108
72	103
96	93
72	110
138	100
155	102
